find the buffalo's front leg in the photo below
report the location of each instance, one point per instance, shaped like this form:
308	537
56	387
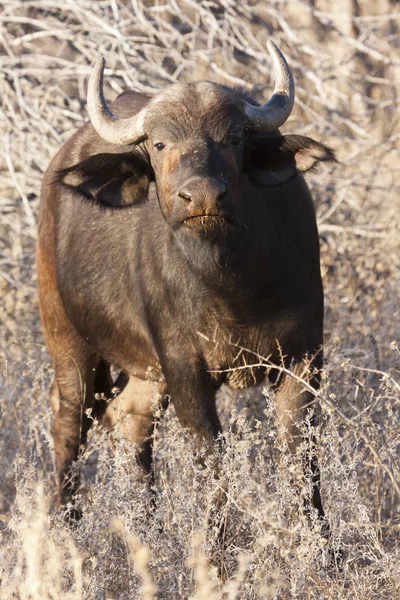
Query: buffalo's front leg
193	396
295	404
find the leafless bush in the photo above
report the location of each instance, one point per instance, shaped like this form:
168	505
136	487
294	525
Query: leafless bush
345	58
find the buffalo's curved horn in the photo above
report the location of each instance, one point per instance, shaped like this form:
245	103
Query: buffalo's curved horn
110	127
277	110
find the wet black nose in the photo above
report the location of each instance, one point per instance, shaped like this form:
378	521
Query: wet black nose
204	192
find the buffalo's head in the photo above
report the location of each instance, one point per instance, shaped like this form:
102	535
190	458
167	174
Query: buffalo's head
196	141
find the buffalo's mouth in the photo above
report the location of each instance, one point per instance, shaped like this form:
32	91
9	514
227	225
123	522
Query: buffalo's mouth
208	226
206	222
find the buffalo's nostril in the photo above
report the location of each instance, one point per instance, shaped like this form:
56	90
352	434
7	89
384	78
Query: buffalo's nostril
202	192
222	190
185	195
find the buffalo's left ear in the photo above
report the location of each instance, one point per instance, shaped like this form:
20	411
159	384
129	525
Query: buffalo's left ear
275	160
109	180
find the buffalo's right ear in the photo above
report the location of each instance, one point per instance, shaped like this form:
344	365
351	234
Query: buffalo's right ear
115	180
275	160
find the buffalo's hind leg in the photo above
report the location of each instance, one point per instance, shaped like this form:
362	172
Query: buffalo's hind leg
134	410
72	391
71	396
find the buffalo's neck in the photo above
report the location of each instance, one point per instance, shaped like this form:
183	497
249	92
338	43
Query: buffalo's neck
232	273
260	268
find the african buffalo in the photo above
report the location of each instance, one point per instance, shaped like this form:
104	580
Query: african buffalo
178	241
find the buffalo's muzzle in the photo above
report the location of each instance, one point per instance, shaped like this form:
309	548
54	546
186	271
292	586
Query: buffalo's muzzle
203	194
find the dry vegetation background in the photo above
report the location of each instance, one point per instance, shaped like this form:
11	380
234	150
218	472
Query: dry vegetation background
345	56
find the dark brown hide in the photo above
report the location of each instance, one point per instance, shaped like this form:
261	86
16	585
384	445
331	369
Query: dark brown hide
168	260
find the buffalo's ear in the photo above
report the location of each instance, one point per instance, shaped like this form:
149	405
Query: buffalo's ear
275	160
115	180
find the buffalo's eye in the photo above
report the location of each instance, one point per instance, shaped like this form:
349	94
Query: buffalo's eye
160	146
236	140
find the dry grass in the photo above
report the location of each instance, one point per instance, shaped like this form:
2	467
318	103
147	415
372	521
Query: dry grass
345	58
